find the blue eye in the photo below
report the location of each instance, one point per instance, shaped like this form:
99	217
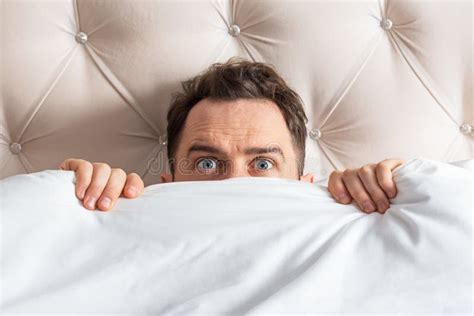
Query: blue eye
263	164
206	164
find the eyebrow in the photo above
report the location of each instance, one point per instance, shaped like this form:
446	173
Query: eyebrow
205	148
248	151
264	150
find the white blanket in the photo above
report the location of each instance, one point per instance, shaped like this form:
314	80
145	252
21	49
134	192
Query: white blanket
239	246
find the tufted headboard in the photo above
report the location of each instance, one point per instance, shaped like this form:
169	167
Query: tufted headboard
93	79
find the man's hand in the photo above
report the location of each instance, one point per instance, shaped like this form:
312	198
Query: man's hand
371	186
98	182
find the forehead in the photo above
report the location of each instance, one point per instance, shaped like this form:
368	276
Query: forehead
245	120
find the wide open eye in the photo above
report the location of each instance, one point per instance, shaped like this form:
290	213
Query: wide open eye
262	164
206	164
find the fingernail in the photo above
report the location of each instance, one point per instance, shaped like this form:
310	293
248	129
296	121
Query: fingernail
90	202
81	194
105	202
132	191
343	198
383	207
368	206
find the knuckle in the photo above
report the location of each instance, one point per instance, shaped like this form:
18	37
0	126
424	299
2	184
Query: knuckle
101	166
134	175
368	168
85	165
346	173
364	171
388	160
380	166
81	161
66	161
335	174
66	164
119	172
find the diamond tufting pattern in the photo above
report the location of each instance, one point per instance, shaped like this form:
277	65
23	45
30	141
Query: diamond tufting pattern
93	79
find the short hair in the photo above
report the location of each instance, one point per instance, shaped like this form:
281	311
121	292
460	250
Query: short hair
238	79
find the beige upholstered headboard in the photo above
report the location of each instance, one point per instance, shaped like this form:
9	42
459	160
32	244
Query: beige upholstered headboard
93	79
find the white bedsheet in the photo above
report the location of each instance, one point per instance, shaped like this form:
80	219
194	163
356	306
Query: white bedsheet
239	246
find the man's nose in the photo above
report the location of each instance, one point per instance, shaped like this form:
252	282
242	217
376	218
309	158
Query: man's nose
235	170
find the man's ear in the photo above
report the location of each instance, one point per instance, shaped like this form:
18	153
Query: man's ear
166	177
309	178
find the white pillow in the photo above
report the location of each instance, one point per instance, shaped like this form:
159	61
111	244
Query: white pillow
246	245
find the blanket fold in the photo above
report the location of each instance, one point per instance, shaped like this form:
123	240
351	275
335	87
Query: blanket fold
239	246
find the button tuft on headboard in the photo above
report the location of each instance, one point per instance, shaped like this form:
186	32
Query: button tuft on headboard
386	24
15	148
315	134
234	30
81	37
465	128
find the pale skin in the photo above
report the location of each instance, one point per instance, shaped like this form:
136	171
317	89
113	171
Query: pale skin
228	139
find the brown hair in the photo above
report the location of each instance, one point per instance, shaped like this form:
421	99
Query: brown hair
232	80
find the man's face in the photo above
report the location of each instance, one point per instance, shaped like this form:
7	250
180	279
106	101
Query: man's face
227	139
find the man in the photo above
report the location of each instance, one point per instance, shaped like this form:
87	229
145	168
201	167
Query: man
237	119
